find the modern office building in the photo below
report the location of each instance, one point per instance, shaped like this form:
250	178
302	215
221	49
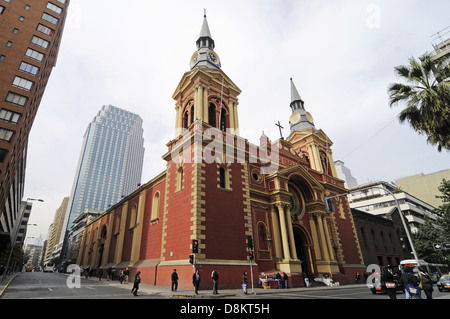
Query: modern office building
425	186
345	174
110	165
30	36
377	198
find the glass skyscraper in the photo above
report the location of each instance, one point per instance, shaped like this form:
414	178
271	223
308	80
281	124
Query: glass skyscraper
110	164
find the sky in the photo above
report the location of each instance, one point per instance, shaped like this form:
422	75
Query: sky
340	55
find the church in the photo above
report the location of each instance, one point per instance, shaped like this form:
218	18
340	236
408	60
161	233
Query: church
227	204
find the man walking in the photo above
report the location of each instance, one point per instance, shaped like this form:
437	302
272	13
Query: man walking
215	278
196	281
174	280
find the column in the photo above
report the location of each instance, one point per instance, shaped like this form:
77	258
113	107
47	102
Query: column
327	238
284	235
196	103
137	231
314	227
322	239
121	236
109	233
276	234
291	233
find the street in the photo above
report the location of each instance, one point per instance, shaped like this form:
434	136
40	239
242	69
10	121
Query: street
39	285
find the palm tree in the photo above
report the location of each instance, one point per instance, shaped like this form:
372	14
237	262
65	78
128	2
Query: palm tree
427	98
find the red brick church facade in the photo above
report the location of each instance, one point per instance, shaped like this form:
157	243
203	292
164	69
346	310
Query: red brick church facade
221	190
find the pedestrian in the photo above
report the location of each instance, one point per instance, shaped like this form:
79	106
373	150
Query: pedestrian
278	278
108	273
387	279
121	276
126	274
174	280
137	281
244	282
358	278
286	280
411	284
100	274
215	279
426	283
196	281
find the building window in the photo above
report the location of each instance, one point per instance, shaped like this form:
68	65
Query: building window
212	115
3	154
45	30
40	42
28	68
133	218
16	99
2	58
54	8
22	83
49	18
35	55
224	177
6	135
155	207
179	181
9	116
2	9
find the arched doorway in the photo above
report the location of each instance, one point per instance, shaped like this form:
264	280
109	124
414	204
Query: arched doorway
301	245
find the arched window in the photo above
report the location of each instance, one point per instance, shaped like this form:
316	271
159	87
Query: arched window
155	207
186	120
117	224
179	180
133	217
223	120
212	115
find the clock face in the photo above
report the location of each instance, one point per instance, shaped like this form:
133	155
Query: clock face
213	57
295	118
194	59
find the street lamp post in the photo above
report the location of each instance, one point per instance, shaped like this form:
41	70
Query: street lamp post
408	234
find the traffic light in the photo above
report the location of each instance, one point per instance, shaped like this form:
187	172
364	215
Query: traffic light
194	246
250	242
250	253
329	205
191	259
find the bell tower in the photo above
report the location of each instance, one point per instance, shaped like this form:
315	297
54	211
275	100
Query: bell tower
307	139
205	92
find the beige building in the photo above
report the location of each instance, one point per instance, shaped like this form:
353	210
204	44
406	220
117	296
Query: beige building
56	229
424	186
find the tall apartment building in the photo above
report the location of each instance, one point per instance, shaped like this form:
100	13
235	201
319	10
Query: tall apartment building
442	50
56	229
110	165
30	35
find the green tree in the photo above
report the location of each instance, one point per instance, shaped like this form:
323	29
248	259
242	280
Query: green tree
424	240
427	98
443	211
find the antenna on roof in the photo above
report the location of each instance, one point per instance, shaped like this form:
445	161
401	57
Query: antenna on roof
204	10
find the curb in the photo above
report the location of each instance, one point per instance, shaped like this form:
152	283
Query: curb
7	284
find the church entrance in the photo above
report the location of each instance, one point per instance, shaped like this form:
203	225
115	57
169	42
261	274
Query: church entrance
301	245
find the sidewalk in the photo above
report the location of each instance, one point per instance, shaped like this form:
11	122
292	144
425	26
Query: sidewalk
5	283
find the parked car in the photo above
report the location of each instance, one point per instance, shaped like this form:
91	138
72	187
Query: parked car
444	283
